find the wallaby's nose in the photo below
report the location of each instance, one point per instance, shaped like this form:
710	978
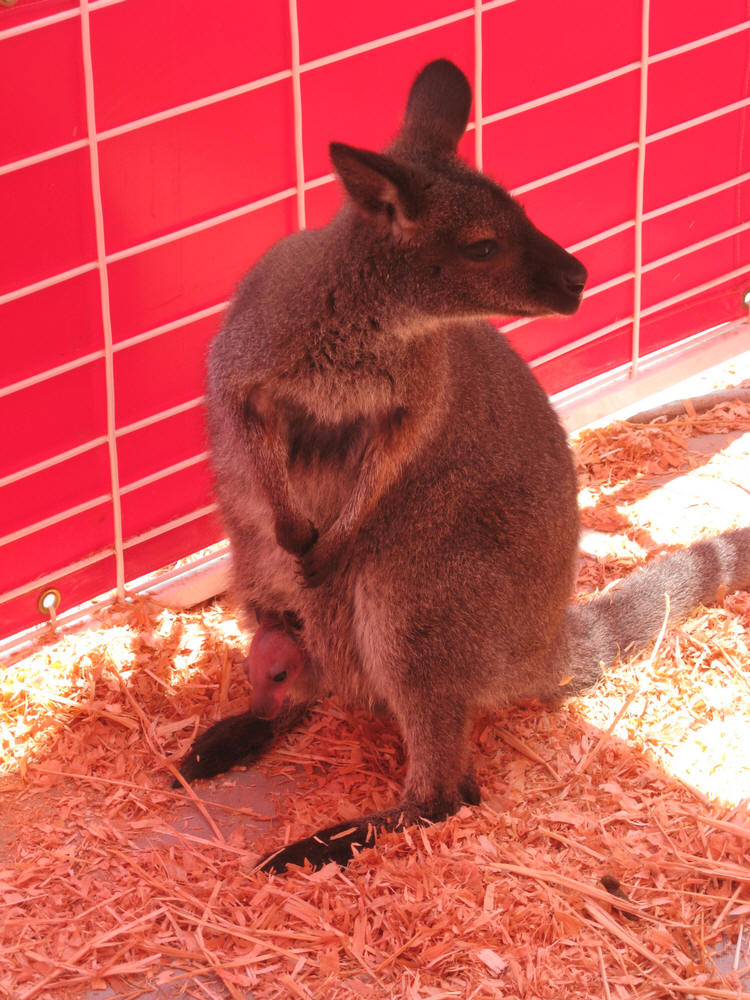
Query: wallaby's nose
574	278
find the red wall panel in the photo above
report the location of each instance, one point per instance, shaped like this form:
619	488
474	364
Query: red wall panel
53	416
46	220
55	489
172	281
372	118
695	82
150	449
51	327
678	165
174	155
197	165
535	47
337	27
672	23
151	56
546	139
53	115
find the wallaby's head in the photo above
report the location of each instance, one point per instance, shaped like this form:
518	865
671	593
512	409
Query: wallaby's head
467	248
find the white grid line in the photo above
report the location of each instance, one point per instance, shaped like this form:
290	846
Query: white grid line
478	85
88	75
49	463
48	522
195	105
170	470
379	43
693	247
45	22
199	227
703	119
156	418
576	168
299	158
698	43
639	189
48	373
178	522
691	198
589	338
55	279
42	581
558	95
48	154
174	324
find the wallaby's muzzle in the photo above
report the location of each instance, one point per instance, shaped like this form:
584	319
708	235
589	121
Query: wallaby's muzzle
558	279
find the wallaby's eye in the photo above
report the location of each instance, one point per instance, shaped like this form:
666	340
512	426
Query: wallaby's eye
481	250
280	677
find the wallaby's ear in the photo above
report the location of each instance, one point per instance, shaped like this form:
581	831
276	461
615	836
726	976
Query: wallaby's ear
380	184
437	111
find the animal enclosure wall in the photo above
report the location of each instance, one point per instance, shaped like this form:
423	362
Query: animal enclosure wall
152	151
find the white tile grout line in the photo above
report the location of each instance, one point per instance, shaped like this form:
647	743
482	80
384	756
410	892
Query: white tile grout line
199	227
698	43
478	85
299	158
177	522
41	581
48	373
48	522
88	75
173	411
81	508
45	22
639	190
49	463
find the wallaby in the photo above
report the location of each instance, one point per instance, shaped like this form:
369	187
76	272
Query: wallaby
395	482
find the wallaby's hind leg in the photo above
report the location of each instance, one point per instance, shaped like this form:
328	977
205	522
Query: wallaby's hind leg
238	738
435	724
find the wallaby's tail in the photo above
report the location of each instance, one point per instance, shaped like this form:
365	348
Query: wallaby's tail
631	614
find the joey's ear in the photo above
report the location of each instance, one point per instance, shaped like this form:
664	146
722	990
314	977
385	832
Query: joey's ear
378	183
438	108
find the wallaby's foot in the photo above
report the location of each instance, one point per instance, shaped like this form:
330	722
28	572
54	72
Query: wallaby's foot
225	744
237	738
338	843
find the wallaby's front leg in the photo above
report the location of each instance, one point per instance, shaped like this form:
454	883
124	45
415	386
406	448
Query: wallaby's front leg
390	447
294	532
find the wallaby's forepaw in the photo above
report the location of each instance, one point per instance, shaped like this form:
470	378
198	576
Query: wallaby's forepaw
297	537
321	561
225	744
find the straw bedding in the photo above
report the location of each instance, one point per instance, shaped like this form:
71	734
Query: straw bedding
609	857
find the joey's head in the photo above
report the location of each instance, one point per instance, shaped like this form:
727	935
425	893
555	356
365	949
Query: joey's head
273	663
456	244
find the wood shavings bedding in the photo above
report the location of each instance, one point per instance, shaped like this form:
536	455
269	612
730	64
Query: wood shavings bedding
609	857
